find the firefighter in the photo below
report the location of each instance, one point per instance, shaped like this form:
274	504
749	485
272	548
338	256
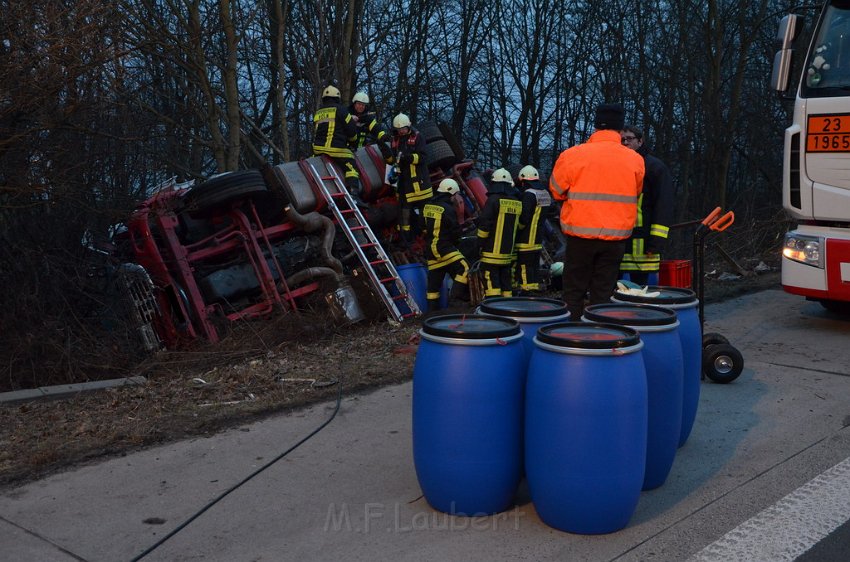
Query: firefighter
529	238
367	122
497	226
599	182
442	231
408	157
655	213
333	126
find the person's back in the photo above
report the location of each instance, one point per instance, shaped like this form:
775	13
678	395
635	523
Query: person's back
497	226
529	238
599	183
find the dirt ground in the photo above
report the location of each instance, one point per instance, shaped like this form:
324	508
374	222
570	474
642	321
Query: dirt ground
264	368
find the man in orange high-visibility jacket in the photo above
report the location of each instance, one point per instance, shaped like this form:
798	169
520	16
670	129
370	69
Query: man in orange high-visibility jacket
599	183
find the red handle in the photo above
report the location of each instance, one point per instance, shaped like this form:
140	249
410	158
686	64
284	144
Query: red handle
712	216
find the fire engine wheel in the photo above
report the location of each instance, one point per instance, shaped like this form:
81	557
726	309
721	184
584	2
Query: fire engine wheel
712	338
216	194
440	155
430	131
722	363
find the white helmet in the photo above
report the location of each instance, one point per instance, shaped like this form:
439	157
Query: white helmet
400	121
502	175
361	97
331	92
449	186
528	173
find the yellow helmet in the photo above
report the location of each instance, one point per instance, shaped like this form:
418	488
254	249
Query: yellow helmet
331	92
449	186
502	175
362	97
400	121
528	173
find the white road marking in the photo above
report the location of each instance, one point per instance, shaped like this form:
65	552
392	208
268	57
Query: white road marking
789	527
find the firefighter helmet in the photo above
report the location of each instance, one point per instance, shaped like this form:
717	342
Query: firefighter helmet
331	92
502	175
449	186
400	121
528	173
362	97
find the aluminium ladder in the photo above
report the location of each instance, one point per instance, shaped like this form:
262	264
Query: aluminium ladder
381	272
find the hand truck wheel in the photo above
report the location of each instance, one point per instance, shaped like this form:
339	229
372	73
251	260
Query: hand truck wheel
722	363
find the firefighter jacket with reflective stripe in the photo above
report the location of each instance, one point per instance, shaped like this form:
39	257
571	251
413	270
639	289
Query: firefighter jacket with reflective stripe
497	225
529	236
442	232
332	127
655	213
408	153
599	182
367	125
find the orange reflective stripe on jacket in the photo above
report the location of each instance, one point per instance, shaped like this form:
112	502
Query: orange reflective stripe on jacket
599	182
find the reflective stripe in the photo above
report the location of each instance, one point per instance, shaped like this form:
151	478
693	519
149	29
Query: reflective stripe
553	185
590	232
330	151
603	197
443	261
659	230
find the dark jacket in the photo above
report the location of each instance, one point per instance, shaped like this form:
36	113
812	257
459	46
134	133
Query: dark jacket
367	125
655	207
442	231
535	199
332	127
497	224
408	152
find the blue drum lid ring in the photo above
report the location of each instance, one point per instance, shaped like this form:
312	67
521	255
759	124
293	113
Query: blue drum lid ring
628	314
668	295
584	335
470	326
523	307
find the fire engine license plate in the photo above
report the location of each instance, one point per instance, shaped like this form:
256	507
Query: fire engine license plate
828	133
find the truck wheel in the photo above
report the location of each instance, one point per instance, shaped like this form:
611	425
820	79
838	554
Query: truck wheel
722	363
430	131
216	194
450	138
712	338
838	307
440	155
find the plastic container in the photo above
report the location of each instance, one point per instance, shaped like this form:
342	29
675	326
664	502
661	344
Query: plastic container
530	312
586	426
662	355
415	278
675	273
686	304
468	381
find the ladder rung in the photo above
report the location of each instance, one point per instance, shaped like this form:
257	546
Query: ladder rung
387	279
357	228
377	262
338	194
369	245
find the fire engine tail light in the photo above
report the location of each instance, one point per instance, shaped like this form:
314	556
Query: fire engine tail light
804	249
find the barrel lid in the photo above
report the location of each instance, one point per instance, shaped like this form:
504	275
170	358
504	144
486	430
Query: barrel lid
523	307
586	335
626	314
470	326
666	295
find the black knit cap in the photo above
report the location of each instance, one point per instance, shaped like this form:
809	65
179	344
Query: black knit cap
610	116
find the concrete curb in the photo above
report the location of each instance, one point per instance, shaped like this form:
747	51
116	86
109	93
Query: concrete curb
65	390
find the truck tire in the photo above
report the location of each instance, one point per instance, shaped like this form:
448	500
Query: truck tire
430	131
215	195
838	307
449	137
440	155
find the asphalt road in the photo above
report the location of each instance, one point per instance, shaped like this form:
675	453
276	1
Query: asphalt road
765	476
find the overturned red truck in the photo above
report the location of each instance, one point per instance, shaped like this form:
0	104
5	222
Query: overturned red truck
244	244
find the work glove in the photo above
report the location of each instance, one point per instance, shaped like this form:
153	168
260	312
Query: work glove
386	152
405	158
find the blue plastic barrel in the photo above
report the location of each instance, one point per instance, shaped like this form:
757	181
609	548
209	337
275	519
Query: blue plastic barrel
662	356
468	383
586	426
415	278
685	303
530	312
